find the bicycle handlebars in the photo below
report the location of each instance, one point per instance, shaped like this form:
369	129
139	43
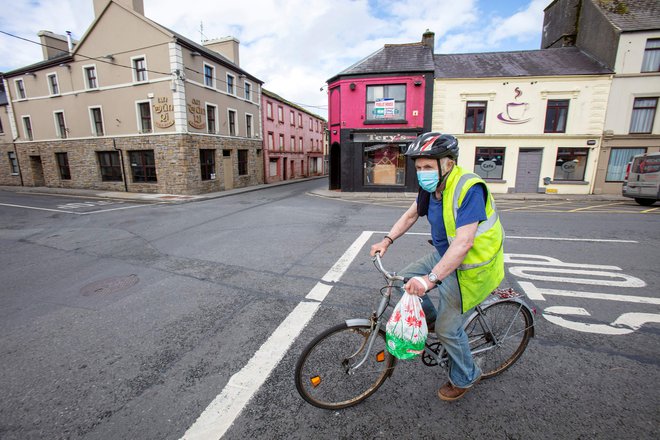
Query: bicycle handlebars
391	276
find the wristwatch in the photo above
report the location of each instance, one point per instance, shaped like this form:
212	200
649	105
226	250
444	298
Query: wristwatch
433	278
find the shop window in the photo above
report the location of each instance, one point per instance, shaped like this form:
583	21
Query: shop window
63	165
571	164
643	115
143	166
489	162
384	164
272	167
555	116
651	62
619	159
475	117
110	166
207	163
242	162
386	102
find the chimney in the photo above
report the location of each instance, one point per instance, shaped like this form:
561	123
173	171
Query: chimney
428	39
227	47
53	45
134	5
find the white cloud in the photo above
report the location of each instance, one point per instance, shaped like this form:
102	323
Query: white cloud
292	45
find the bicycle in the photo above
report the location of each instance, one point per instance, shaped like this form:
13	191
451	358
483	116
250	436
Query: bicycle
347	363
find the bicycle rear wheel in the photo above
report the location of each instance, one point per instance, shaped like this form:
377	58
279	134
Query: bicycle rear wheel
499	336
323	377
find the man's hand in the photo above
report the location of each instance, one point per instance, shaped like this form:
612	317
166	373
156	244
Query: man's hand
416	286
380	247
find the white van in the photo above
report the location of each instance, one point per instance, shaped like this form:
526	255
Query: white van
642	181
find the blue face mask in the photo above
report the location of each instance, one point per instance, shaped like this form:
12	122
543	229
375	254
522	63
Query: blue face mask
428	180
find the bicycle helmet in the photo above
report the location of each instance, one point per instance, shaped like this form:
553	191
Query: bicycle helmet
433	145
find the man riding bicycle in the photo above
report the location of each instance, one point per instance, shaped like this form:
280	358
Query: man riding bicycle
468	258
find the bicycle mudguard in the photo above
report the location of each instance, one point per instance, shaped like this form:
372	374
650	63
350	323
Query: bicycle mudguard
357	322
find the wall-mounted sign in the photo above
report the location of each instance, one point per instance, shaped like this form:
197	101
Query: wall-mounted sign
164	111
515	111
384	137
569	166
488	165
385	108
196	114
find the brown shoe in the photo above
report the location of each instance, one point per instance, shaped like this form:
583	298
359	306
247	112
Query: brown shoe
449	392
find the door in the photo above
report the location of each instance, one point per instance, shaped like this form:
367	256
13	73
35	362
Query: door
284	162
37	171
529	170
335	167
228	168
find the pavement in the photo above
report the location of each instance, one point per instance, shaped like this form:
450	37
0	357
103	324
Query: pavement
320	192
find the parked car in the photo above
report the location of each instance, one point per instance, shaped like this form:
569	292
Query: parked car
642	181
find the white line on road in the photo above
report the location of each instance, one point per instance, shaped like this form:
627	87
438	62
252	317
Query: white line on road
75	213
226	407
537	294
39	209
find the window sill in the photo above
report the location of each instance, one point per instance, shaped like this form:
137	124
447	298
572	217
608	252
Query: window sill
384	121
568	182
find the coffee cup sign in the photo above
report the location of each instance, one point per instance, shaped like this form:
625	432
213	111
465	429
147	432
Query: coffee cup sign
515	112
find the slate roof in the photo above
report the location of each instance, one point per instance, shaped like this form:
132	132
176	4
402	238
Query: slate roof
393	58
542	62
290	104
631	15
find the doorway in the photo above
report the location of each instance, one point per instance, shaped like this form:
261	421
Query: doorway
284	161
37	171
228	169
335	166
529	170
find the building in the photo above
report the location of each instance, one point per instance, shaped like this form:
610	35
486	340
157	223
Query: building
144	110
294	139
527	121
625	37
377	107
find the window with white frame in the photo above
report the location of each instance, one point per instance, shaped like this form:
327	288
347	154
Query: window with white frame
144	117
300	120
292	143
248	91
281	142
230	84
27	127
211	118
292	117
643	114
60	124
271	140
53	85
231	122
280	114
96	118
20	89
248	125
619	158
13	162
139	69
651	62
209	75
386	102
269	110
91	81
300	144
2	130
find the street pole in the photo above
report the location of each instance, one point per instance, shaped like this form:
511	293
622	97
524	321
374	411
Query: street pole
121	162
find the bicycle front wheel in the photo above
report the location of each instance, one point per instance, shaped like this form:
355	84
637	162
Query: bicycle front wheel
499	336
324	375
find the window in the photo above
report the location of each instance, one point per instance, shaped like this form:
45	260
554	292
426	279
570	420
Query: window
651	61
292	118
13	162
27	125
384	164
139	69
143	166
555	116
489	162
619	158
90	77
280	114
475	117
63	165
2	130
110	166
230	84
53	85
271	141
207	162
269	110
281	142
248	125
242	162
571	163
643	115
211	118
144	114
300	120
60	124
311	124
97	121
386	102
20	89
300	144
231	118
317	126
248	91
292	143
209	75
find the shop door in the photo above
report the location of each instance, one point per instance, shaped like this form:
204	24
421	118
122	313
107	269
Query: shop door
529	171
335	167
228	168
284	168
37	171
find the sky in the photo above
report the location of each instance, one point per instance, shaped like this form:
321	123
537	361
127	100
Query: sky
295	46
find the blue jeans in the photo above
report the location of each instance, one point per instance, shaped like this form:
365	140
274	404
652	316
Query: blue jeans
463	372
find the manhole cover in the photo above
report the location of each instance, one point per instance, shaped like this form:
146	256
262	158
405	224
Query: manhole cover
109	285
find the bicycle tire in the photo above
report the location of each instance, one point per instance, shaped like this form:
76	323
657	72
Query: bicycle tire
321	370
511	323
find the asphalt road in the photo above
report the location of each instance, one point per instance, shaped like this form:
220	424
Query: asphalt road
132	323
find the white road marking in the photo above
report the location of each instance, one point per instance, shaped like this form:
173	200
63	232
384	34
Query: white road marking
76	213
624	279
623	325
218	417
39	209
537	294
544	260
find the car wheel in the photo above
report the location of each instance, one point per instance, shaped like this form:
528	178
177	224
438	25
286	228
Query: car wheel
644	202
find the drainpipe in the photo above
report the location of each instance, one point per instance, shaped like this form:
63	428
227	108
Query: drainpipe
20	173
69	42
121	161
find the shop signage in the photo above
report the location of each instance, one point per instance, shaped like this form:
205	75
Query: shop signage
385	108
164	111
488	165
384	137
515	112
196	114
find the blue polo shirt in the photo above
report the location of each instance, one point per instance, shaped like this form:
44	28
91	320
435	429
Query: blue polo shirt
473	209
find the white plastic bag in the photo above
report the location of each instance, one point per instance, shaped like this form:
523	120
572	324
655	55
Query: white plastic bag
406	329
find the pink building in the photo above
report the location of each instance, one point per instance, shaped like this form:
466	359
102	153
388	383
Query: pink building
293	139
377	107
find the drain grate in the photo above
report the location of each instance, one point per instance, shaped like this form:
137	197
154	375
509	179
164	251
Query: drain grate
110	285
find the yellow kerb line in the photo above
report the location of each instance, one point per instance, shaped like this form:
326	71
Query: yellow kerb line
649	210
596	206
